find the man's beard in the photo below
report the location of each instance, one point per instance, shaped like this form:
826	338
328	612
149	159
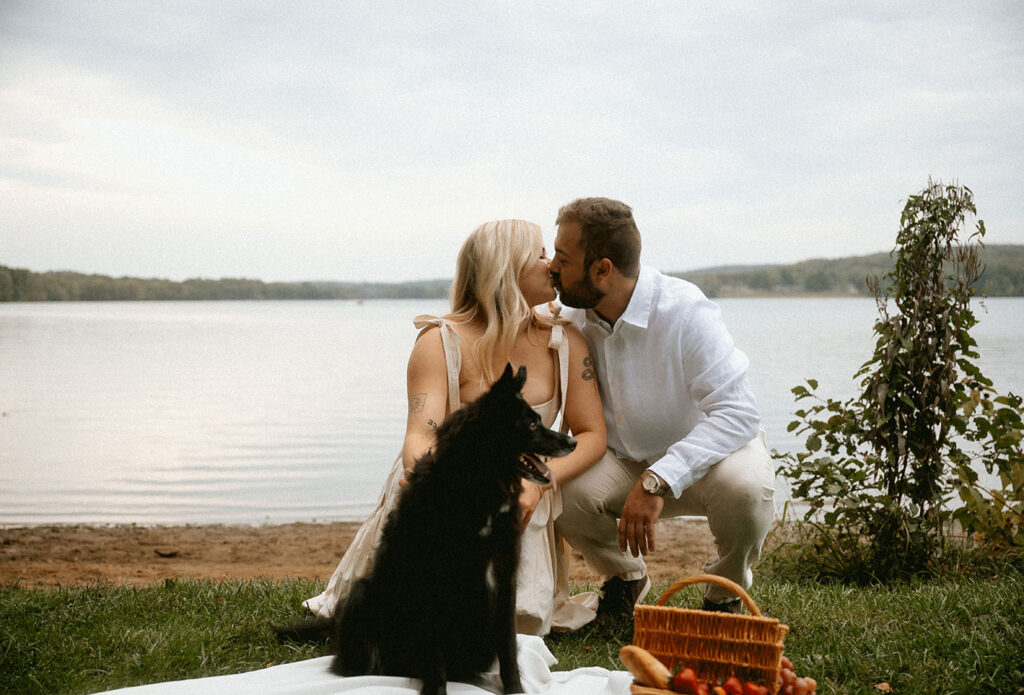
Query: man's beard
581	296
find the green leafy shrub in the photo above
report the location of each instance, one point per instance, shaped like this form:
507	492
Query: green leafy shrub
881	471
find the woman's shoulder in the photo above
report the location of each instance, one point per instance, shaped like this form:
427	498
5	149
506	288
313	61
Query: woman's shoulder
426	322
436	325
429	344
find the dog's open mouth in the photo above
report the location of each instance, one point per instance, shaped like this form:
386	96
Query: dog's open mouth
532	468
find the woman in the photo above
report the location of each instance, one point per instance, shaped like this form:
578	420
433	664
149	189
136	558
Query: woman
501	276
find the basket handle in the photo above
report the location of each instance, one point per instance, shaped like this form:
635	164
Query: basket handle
711	579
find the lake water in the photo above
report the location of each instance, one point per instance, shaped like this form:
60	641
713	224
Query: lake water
271	412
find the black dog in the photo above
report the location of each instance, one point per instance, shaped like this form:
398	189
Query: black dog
440	602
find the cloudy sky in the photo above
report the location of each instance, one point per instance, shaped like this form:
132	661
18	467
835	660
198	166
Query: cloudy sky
363	140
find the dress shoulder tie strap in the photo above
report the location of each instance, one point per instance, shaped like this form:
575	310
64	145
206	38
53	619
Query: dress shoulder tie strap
450	340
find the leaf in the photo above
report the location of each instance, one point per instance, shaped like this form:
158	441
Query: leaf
813	443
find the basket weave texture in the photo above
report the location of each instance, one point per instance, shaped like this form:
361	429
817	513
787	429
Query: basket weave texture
715	645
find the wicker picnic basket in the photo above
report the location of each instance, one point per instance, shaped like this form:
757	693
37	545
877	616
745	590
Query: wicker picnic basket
715	645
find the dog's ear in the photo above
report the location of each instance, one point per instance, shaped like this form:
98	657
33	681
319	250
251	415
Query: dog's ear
511	381
520	378
507	380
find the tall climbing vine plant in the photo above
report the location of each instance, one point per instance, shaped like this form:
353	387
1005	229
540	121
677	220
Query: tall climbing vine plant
886	472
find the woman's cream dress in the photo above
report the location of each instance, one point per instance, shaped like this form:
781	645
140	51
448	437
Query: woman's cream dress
542	587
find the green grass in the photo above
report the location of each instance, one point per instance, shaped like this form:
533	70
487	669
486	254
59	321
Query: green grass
83	640
943	636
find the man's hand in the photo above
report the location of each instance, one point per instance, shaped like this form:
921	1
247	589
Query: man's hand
639	515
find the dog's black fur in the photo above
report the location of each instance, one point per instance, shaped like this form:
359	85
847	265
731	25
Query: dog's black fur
439	604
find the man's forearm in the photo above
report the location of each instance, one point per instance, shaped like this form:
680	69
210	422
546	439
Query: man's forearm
722	433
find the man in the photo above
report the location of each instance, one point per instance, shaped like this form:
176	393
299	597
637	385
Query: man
683	428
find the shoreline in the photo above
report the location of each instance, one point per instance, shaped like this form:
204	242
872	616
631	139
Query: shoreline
56	555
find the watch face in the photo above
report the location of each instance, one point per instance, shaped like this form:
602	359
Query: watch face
650	484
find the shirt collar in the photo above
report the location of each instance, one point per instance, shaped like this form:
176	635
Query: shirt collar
638	311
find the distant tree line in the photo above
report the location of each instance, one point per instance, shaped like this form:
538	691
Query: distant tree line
1003	277
18	284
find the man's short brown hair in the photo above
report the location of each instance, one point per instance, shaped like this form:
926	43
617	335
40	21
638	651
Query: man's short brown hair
608	231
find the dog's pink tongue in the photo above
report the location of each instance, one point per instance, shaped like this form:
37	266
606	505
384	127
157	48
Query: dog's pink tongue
532	466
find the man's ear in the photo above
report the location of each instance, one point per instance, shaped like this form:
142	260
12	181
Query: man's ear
601	270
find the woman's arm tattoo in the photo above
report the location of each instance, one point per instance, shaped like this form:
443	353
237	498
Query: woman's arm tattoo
417	401
588	368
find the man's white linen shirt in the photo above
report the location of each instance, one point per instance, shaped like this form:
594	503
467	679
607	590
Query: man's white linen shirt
673	385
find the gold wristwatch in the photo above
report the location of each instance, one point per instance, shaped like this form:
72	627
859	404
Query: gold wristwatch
654	484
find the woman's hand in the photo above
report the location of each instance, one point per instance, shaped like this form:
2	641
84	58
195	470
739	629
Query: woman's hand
529	498
403	482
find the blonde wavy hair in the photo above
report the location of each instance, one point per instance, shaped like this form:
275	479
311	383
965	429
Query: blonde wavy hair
486	287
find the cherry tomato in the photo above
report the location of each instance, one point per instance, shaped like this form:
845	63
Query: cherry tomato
732	686
685	681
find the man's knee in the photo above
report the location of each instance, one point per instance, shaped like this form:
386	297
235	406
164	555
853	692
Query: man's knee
751	493
745	477
739	493
579	499
601	488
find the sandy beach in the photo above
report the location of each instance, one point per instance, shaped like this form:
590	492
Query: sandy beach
142	555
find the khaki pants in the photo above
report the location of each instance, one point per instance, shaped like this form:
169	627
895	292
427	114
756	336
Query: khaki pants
736	495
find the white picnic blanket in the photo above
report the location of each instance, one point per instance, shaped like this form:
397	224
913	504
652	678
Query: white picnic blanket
313	677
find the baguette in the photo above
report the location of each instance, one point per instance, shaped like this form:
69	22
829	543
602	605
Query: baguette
645	667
